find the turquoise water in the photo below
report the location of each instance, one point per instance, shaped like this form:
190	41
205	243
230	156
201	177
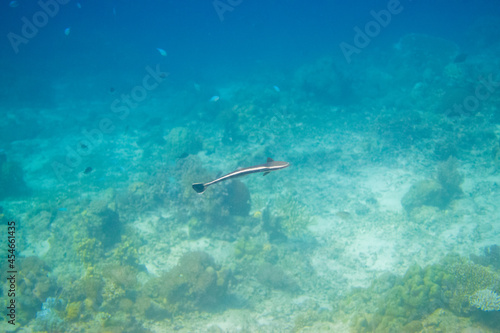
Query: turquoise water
385	220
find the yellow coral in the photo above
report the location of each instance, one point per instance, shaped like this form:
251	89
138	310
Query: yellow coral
89	304
136	187
73	310
127	252
111	292
88	249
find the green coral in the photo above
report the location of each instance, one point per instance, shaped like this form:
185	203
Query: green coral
420	292
404	302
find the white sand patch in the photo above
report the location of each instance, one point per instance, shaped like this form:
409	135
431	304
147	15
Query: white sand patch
389	185
146	225
354	253
374	250
325	229
38	249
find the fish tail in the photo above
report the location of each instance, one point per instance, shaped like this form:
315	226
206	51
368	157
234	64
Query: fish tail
199	187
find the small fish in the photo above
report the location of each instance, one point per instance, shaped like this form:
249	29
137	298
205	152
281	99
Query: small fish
271	165
14	4
87	170
62	209
83	145
276	88
162	52
67	31
214	98
78	5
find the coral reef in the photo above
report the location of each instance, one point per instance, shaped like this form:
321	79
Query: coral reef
292	217
486	300
121	275
354	135
427	192
225	206
469	278
111	228
450	178
312	318
237	198
102	223
438	193
73	310
126	251
48	319
246	248
35	284
196	283
90	289
403	304
181	142
89	250
274	277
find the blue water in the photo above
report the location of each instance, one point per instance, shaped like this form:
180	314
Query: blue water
385	220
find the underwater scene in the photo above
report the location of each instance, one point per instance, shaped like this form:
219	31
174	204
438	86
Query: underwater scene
250	166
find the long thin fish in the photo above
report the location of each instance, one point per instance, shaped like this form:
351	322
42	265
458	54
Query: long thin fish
271	165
